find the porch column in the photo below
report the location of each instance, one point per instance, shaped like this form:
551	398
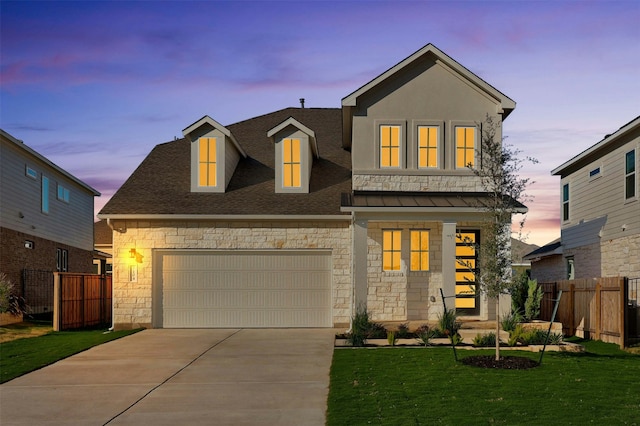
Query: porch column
360	249
449	261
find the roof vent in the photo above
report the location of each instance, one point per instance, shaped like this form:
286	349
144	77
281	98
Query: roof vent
301	102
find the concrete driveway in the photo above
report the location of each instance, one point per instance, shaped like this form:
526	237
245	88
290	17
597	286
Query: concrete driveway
179	377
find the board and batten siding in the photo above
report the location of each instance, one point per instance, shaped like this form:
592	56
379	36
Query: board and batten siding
598	209
67	223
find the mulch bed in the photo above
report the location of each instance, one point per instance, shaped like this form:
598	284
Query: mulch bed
505	362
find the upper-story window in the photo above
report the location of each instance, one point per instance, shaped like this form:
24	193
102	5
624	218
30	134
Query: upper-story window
30	172
63	193
630	175
428	147
565	201
465	146
391	249
291	167
390	146
207	162
45	194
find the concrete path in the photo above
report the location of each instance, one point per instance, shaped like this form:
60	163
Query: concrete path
180	377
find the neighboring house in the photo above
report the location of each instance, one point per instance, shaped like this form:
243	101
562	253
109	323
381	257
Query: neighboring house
547	263
600	211
297	217
46	214
519	249
103	244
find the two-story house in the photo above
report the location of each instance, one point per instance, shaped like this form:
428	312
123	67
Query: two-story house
600	212
297	217
46	214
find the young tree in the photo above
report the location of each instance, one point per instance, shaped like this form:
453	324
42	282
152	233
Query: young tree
505	191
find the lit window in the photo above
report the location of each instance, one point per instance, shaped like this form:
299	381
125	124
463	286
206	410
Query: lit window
391	244
63	194
466	269
427	147
630	175
390	146
207	160
565	201
291	170
465	147
419	250
45	194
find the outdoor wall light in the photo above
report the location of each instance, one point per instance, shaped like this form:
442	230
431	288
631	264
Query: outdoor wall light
132	253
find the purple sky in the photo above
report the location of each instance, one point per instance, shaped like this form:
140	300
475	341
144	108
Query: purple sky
93	86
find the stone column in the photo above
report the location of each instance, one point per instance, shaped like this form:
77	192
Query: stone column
360	248
449	261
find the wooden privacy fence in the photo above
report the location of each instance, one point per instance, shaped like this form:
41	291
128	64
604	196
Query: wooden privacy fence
589	308
81	300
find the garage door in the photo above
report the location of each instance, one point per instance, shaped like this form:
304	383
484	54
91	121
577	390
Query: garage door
243	289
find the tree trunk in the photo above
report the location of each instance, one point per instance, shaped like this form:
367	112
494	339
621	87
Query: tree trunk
498	328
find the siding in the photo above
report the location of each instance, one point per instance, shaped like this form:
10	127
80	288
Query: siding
68	223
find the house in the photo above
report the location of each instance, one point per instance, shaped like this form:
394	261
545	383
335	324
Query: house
103	245
46	214
519	249
297	217
547	263
600	212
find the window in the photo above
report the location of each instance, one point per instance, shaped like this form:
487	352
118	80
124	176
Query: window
466	270
291	170
63	193
62	260
630	175
565	201
390	146
595	173
419	250
427	147
30	172
45	194
465	147
207	162
571	269
391	245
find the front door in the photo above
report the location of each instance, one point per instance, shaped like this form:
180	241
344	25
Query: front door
467	296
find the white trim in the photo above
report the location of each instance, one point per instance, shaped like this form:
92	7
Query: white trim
227	217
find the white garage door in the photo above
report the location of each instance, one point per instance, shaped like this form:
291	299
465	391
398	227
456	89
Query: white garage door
243	289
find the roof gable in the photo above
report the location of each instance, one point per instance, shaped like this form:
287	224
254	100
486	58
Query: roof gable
210	123
506	104
295	123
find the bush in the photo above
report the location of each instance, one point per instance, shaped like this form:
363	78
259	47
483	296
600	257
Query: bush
527	336
534	299
9	302
449	325
486	340
510	321
518	291
556	339
425	333
362	328
403	331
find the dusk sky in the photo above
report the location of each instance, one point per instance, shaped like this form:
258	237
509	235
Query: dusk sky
94	86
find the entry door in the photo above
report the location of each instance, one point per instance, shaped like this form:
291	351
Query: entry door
467	296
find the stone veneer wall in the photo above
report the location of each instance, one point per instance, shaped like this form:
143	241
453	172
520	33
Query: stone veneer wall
404	295
132	300
621	257
549	269
365	182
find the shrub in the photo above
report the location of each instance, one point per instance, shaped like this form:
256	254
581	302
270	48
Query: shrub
449	325
362	328
403	331
556	339
534	299
391	338
486	340
527	336
518	291
9	302
510	321
425	333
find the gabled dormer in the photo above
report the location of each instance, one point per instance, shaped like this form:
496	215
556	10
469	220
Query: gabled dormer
215	153
295	147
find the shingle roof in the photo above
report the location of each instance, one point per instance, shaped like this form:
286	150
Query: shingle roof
102	233
161	184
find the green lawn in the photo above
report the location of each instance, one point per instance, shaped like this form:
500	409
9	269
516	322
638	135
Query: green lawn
22	356
425	386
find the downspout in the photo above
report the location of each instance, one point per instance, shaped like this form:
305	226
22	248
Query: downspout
353	270
113	317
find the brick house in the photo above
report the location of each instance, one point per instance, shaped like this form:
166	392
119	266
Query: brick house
296	217
46	214
600	212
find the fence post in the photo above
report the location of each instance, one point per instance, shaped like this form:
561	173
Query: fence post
57	302
624	300
572	309
598	318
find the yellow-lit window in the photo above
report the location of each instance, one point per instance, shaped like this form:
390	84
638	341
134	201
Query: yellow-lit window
291	163
419	250
389	146
465	147
466	270
427	147
207	160
391	245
